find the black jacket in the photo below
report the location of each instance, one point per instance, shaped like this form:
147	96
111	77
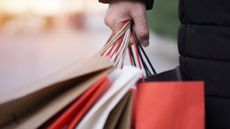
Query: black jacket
148	3
204	47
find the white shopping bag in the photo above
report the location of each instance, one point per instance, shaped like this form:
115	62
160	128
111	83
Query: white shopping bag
123	80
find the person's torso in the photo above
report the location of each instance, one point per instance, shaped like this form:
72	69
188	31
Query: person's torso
208	12
205	29
204	44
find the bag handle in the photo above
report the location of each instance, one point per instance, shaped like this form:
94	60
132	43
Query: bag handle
126	40
117	45
142	56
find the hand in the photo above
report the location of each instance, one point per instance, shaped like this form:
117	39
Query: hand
120	12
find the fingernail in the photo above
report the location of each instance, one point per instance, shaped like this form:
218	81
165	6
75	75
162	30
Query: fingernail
145	43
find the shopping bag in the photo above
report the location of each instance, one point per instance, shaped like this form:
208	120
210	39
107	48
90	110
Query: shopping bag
116	113
120	116
170	75
31	107
73	114
122	81
125	119
170	103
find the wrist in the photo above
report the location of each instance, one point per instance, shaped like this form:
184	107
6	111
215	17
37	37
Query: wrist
148	3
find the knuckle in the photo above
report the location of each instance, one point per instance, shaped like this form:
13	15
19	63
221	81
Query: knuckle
109	20
143	34
138	12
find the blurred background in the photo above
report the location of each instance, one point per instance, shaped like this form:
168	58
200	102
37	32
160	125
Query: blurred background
163	19
39	37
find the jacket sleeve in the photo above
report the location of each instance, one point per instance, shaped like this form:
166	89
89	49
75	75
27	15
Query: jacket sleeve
148	3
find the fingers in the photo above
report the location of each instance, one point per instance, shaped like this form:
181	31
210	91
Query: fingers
113	24
116	16
141	26
120	12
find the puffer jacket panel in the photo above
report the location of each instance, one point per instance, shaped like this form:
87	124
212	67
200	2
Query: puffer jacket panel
205	12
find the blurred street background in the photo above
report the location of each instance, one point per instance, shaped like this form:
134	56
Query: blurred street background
39	37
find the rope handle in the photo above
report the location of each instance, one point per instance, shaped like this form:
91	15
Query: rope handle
126	40
142	56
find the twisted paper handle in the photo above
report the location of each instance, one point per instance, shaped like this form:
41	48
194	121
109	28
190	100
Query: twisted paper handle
117	45
126	40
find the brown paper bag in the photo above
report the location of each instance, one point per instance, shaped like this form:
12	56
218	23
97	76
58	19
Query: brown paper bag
120	117
116	113
31	107
125	119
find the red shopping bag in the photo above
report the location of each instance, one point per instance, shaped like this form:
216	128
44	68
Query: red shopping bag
170	105
70	117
